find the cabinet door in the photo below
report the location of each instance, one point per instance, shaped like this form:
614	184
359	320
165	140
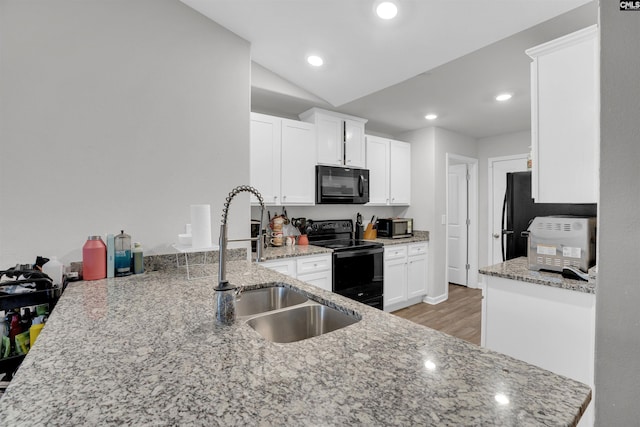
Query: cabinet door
395	274
297	185
377	155
395	282
322	279
329	140
354	144
399	173
264	157
565	119
417	270
287	267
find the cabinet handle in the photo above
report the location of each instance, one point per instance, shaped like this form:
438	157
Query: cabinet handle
284	197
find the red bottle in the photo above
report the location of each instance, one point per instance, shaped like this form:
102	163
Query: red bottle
94	259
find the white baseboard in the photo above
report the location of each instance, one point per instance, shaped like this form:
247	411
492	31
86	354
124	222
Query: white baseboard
435	300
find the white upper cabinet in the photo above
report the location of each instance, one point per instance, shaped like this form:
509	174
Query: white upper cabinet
378	164
278	170
339	138
565	106
389	164
329	140
400	172
297	176
354	149
264	155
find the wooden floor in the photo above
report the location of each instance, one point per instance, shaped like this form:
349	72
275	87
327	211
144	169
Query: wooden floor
459	316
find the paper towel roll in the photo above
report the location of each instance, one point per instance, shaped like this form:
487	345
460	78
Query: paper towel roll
201	226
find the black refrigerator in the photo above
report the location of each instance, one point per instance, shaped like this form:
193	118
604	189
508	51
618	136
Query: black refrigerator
519	209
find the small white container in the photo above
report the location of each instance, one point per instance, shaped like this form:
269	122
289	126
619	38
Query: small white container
54	269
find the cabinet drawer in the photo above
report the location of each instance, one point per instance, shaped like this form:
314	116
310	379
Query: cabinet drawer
313	264
285	267
395	252
417	249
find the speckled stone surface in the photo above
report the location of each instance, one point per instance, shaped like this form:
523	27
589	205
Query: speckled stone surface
518	269
418	236
144	350
273	252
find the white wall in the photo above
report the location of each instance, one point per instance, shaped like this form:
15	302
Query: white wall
117	115
423	189
617	370
495	146
429	148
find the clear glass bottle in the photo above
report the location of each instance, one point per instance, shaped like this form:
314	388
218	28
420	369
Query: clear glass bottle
122	254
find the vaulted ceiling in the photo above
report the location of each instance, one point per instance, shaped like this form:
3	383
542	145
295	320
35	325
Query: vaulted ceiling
442	56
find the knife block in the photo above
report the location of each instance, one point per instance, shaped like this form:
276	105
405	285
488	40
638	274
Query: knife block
370	233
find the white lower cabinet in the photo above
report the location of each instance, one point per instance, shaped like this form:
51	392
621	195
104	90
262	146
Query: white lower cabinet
314	269
405	275
546	326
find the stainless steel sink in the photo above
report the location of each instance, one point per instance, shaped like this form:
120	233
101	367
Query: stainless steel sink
267	299
299	323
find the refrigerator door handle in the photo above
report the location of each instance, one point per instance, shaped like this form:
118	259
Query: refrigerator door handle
504	208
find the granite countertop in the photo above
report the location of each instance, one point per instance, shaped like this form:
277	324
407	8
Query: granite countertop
144	350
518	269
280	252
418	236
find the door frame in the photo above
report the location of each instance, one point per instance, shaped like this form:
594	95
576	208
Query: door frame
490	212
472	201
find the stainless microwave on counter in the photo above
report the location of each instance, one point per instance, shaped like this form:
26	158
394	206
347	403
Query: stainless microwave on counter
338	185
395	228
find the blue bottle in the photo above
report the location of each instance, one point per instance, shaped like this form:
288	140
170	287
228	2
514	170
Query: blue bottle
122	254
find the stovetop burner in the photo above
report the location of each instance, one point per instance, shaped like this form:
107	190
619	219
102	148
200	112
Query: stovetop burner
336	235
347	244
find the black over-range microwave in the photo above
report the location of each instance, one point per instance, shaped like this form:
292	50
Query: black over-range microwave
337	185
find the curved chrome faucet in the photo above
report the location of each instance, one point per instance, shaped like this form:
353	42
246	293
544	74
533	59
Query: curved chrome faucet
223	284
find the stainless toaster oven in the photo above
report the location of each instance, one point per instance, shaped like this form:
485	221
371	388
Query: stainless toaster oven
555	242
395	228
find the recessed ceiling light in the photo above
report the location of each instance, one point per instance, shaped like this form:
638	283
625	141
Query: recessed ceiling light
315	60
431	116
503	97
387	10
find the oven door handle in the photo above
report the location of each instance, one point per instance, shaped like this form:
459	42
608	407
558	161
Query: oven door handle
359	252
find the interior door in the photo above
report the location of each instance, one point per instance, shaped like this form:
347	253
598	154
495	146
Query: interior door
499	170
457	224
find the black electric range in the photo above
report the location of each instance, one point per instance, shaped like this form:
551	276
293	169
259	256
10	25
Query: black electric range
357	264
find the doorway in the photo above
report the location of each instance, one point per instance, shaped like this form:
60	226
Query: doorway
462	220
497	185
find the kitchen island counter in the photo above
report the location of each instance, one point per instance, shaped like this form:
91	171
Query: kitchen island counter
518	269
144	350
